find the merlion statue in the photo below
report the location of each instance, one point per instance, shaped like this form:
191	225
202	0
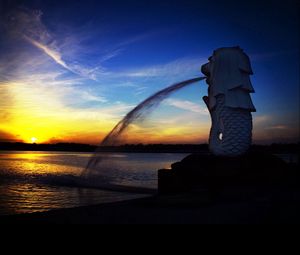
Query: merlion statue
229	101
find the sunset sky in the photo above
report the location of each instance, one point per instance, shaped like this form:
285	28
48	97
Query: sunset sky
70	70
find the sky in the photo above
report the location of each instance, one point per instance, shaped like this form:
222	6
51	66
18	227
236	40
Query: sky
71	70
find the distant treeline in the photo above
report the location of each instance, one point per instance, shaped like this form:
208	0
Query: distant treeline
140	148
73	147
277	148
48	147
157	148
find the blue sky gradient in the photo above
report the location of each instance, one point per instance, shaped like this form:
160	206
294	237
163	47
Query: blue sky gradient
95	60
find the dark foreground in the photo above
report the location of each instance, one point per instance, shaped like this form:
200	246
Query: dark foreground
182	209
202	189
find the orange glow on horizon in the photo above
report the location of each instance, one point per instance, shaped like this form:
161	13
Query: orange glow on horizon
39	114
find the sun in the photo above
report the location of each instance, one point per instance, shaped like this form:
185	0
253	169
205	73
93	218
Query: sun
33	140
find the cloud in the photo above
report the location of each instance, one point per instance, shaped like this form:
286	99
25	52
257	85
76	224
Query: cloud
179	67
272	129
6	137
140	37
67	51
92	98
55	111
140	91
262	120
188	106
28	24
41	97
278	127
111	55
55	55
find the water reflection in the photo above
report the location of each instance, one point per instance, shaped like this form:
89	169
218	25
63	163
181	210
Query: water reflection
39	181
29	198
25	163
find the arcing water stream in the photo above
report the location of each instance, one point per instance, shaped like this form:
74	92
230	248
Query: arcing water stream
139	113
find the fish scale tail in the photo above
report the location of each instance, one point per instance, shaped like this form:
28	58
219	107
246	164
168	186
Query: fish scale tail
231	133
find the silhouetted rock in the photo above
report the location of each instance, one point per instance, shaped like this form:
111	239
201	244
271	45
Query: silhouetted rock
211	172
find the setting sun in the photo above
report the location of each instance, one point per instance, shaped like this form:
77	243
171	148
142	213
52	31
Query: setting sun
34	140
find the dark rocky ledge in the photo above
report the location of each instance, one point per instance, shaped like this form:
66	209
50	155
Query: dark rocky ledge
255	171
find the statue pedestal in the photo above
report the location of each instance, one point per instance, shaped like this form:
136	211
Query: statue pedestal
208	172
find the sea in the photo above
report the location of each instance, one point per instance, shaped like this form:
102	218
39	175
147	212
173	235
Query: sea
33	182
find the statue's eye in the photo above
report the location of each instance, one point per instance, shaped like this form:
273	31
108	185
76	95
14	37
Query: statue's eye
211	59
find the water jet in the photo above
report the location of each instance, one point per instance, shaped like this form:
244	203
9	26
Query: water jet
228	101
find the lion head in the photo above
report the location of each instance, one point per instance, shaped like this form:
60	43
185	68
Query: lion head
228	73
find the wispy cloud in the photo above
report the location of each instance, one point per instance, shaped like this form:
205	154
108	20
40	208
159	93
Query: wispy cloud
55	55
278	127
66	52
29	25
42	87
110	55
271	128
262	120
7	137
179	67
139	38
93	98
54	111
188	106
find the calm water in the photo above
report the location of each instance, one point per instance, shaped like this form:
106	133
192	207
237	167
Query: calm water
41	181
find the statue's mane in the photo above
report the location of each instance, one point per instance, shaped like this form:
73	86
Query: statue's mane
230	76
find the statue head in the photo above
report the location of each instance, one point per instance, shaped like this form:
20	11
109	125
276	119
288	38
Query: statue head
228	73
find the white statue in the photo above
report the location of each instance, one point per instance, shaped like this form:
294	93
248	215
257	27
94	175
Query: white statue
229	101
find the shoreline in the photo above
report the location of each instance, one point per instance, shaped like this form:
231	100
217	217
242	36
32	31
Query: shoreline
172	209
253	189
138	148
